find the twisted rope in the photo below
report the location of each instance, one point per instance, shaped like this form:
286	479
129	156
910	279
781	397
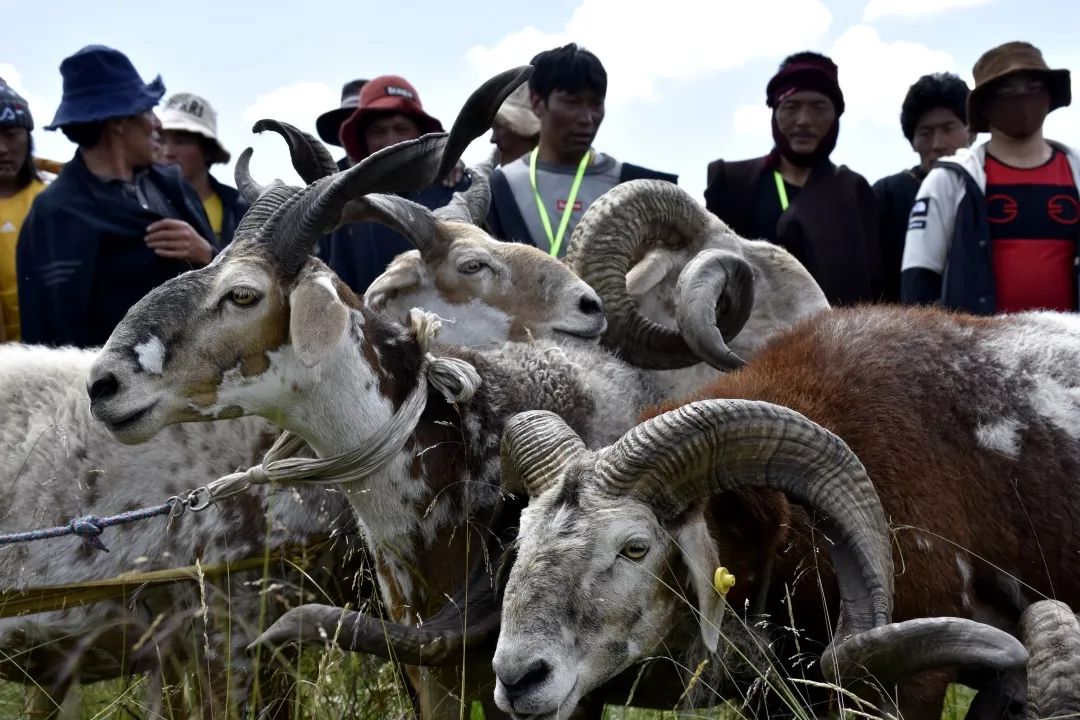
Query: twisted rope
90	527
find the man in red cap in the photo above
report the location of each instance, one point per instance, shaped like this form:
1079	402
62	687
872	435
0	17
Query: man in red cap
389	111
997	229
825	215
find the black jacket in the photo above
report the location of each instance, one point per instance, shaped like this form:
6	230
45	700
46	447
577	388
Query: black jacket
359	252
831	227
506	222
82	259
896	195
233	207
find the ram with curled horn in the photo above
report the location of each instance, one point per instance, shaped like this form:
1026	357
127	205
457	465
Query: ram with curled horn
683	294
406	428
964	426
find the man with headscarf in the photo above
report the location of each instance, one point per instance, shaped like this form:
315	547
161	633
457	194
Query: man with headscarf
825	215
20	183
996	229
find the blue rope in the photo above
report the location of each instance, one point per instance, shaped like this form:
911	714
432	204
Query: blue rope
89	527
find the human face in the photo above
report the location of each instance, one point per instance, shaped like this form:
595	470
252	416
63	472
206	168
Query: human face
14	145
569	121
382	132
185	149
804	118
511	145
137	137
1018	106
938	133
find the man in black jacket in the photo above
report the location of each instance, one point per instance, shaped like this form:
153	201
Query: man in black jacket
113	225
934	120
540	198
189	126
825	215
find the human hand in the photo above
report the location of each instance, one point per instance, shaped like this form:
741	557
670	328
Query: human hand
177	240
455	175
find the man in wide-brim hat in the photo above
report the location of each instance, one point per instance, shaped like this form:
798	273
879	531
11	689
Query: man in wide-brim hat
113	225
328	125
997	229
189	128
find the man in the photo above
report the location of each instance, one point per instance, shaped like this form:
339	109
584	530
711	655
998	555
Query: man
112	226
389	111
825	215
20	183
995	229
934	120
540	198
328	125
189	127
516	130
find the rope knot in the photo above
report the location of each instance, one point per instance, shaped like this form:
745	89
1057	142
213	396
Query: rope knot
88	527
257	475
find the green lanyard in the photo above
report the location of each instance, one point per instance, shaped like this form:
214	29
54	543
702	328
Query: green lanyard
555	242
781	190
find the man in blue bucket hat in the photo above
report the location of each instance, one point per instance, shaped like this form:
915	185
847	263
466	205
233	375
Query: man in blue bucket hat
113	225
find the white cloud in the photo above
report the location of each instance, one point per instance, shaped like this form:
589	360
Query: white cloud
293	104
673	40
877	9
875	75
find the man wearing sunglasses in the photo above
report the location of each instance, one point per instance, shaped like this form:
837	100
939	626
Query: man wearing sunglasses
996	229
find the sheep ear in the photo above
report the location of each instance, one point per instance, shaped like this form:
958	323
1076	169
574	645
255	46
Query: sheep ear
649	271
318	318
403	275
701	559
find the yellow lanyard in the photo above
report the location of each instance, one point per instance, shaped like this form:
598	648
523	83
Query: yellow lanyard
781	190
555	242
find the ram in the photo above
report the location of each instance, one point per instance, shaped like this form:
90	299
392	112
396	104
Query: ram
268	330
967	428
59	464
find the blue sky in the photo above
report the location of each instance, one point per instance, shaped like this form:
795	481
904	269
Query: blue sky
686	77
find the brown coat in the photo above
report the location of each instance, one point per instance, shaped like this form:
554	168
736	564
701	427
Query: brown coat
831	227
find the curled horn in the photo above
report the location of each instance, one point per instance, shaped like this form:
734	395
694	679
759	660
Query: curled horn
617	229
891	653
536	446
319	208
439	641
248	187
713	300
713	446
1052	636
310	157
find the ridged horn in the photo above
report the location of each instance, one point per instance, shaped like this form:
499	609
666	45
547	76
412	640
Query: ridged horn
709	447
615	231
310	158
248	187
713	300
1052	635
536	447
894	652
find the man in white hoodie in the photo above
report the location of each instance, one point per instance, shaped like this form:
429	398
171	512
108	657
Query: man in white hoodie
997	229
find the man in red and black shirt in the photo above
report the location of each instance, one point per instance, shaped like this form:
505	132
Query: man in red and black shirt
996	229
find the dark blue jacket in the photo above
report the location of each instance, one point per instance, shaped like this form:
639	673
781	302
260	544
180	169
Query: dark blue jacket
82	259
360	252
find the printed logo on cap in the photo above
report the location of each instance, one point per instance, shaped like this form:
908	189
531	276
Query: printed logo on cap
400	91
191	107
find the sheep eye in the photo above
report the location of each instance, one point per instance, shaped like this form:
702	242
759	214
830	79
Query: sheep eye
635	549
470	267
243	295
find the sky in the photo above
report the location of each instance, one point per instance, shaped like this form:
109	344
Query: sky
686	78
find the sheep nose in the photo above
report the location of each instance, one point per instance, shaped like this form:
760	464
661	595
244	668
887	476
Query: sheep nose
589	304
103	387
535	675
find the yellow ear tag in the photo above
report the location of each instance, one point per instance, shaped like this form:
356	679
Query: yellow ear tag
723	580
